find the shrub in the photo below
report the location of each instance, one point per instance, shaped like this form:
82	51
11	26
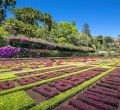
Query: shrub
8	51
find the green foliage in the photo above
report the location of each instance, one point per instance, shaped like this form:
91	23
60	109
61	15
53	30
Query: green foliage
79	39
3	32
86	30
35	24
16	101
47	20
100	39
16	27
27	15
3	42
5	5
105	54
108	41
34	17
62	40
63	29
103	42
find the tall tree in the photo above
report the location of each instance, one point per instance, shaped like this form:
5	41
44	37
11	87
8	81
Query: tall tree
86	30
73	22
5	5
27	15
32	16
47	19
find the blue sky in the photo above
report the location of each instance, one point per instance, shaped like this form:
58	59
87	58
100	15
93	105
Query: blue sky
103	16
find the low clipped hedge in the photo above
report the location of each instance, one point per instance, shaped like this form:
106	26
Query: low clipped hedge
3	92
12	76
55	101
16	78
16	101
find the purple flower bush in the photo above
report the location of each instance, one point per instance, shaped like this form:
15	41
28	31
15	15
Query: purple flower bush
8	51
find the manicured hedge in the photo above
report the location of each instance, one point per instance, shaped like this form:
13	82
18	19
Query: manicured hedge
16	101
55	101
41	82
6	77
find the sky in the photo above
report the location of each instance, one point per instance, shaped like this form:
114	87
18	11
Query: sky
103	16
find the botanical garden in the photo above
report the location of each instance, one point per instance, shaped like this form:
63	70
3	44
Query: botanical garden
51	65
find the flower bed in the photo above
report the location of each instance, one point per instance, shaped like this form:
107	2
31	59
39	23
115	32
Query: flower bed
97	97
53	87
8	51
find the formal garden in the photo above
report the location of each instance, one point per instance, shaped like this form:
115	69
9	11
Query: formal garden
51	65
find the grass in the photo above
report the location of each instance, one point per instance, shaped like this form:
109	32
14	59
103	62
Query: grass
16	101
55	101
3	92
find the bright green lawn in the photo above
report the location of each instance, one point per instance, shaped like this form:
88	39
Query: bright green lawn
16	101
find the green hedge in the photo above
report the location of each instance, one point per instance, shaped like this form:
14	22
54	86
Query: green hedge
16	78
16	101
3	92
10	76
55	101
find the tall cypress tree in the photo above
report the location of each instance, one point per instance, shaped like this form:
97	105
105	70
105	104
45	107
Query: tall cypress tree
86	29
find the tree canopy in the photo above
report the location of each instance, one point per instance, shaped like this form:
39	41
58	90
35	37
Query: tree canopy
5	5
86	30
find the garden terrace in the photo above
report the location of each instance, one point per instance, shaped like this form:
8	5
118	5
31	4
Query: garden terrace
35	44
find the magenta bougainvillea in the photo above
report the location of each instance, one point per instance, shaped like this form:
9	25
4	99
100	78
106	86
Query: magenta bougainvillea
8	51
